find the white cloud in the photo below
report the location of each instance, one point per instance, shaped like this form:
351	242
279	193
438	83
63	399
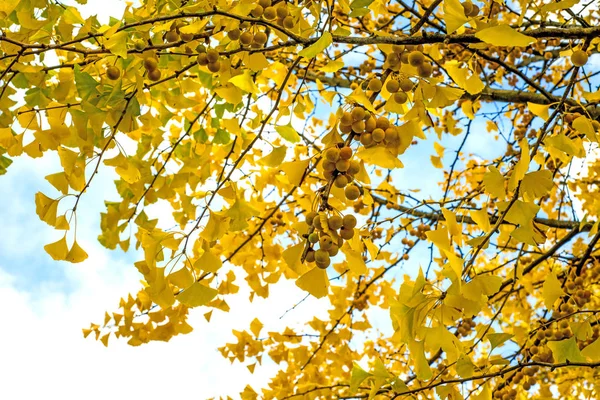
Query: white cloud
47	303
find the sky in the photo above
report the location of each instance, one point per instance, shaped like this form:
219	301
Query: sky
47	303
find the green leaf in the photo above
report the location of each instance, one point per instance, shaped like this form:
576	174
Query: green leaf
357	377
86	85
317	47
360	4
117	44
566	350
221	137
288	133
197	295
465	367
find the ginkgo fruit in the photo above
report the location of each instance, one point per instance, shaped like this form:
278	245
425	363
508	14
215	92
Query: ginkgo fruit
246	38
282	11
366	139
400	97
349	221
346	233
313	237
212	55
288	22
352	192
321	256
579	58
382	123
342	165
187	37
214	66
202	59
270	13
425	70
392	86
392	59
139	45
416	58
234	34
113	73
370	124
332	154
333	250
325	242
341	181
357	113
406	85
358	126
154	75
150	63
353	169
257	11
346	153
378	135
375	85
172	36
310	216
260	38
335	222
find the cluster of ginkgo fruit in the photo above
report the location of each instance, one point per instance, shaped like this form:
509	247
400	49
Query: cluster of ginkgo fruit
465	326
523	377
337	164
328	233
397	87
209	58
368	129
409	54
470	9
360	301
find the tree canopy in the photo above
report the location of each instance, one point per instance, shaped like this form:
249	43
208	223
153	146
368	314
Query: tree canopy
275	132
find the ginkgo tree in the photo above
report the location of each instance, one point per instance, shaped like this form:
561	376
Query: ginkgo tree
274	131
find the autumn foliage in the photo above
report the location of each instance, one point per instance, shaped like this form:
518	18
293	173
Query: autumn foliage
275	132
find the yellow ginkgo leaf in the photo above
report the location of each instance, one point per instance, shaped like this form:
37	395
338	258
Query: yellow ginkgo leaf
551	290
58	250
379	156
76	254
197	295
454	15
208	262
314	282
216	227
504	35
354	259
59	181
46	208
295	171
245	82
274	158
